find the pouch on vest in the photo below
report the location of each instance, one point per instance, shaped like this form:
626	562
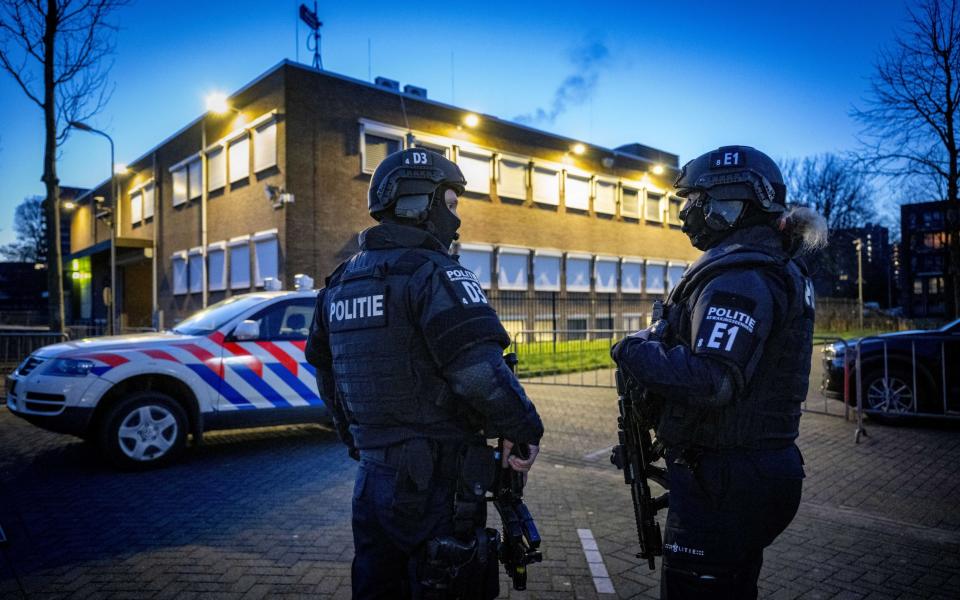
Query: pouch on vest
414	476
478	469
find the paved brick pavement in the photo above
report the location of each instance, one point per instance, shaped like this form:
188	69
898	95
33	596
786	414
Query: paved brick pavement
265	513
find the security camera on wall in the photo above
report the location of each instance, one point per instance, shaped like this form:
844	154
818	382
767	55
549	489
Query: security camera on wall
276	196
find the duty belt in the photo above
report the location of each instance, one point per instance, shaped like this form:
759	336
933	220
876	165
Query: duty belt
446	456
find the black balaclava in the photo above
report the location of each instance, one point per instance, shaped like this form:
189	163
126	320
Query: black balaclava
441	222
707	221
701	235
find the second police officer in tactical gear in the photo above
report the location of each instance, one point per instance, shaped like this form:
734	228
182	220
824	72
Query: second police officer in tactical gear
731	371
409	359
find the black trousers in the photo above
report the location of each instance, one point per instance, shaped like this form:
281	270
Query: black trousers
723	512
387	545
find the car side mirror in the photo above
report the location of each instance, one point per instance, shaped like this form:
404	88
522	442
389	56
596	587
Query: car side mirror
247	330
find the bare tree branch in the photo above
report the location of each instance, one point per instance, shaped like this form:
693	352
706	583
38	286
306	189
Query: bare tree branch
58	50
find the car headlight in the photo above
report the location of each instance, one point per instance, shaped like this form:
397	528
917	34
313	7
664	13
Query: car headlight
70	367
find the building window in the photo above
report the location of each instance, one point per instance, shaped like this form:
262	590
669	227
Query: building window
605	201
266	261
632	322
604	324
195	268
578	272
240	263
376	148
934	241
439	149
630	204
577	192
478	258
180	279
674	274
194	179
546	270
239	156
631	276
476	170
136	208
216	267
512	179
512	268
673	210
917	287
655	277
149	197
265	146
653	209
605	272
513	327
577	327
216	169
179	186
546	186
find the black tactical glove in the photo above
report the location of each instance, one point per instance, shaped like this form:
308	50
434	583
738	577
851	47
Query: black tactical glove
636	337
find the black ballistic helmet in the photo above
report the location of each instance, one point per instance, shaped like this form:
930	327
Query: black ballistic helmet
407	181
736	173
730	187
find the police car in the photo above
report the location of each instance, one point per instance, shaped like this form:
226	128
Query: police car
238	363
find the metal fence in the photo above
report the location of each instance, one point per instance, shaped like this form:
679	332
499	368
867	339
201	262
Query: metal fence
909	376
567	357
16	346
536	314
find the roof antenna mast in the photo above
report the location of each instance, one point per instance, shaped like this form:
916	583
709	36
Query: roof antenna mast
313	42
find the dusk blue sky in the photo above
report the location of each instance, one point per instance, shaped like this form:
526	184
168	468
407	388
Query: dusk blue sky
681	76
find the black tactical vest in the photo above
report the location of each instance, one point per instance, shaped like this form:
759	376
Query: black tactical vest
390	387
766	413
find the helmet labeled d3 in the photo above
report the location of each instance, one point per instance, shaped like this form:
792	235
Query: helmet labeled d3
407	183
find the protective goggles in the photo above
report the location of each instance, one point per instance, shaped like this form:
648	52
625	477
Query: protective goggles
735	185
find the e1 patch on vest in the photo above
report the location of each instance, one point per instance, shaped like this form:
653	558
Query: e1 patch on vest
726	328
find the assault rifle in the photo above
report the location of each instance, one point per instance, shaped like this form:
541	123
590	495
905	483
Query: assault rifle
521	540
635	455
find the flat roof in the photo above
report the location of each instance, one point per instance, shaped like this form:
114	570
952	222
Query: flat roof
293	64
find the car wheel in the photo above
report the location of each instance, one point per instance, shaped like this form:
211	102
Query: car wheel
889	398
143	431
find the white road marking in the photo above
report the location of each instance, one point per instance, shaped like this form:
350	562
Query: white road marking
597	453
598	570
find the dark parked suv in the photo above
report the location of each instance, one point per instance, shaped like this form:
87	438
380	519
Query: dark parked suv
922	372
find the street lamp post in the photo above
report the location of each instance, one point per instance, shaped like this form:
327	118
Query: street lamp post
859	244
114	216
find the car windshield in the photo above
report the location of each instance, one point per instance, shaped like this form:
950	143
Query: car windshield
215	316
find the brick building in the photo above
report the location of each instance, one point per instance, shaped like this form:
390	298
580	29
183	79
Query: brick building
834	269
547	220
926	228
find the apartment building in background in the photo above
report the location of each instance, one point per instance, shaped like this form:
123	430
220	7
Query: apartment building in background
563	234
926	230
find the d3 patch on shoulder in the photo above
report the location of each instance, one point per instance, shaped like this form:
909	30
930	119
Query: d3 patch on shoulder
728	157
466	286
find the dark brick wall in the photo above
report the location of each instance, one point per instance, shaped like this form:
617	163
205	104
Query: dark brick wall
319	161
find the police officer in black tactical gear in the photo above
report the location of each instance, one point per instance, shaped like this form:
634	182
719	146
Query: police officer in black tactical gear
409	360
730	370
